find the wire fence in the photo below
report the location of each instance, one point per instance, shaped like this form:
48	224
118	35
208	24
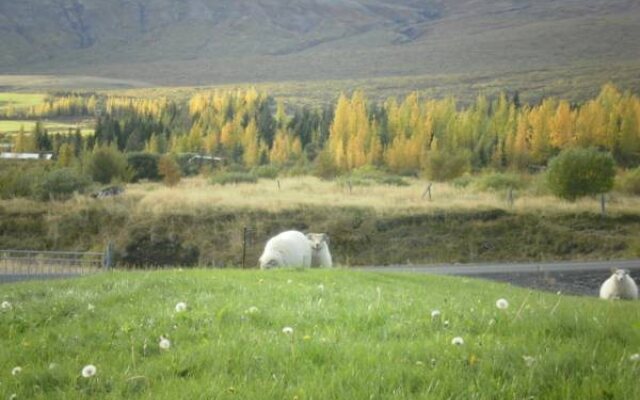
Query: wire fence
18	265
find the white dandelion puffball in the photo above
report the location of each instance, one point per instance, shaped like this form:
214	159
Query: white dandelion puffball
435	314
458	341
321	287
446	323
635	357
502	304
6	305
181	306
165	343
89	370
529	360
15	371
287	330
252	310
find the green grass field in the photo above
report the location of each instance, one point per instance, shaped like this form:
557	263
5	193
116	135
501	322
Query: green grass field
13	126
354	335
20	100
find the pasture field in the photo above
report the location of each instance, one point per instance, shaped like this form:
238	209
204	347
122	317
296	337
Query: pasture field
20	100
311	335
12	127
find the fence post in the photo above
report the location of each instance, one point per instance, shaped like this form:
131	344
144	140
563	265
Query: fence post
510	197
602	205
427	191
278	181
244	245
107	258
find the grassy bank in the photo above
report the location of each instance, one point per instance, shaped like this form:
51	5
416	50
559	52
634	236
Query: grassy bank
202	224
354	335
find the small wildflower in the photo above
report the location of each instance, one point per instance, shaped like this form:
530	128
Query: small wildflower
433	362
306	337
446	323
13	396
91	307
419	363
458	341
321	287
289	281
502	304
6	305
15	371
181	306
252	310
89	370
165	343
435	314
529	360
287	330
53	366
634	357
492	322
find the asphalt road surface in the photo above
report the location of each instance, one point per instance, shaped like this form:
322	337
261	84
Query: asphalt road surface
578	278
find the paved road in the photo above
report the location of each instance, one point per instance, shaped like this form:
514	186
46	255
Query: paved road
501	268
577	278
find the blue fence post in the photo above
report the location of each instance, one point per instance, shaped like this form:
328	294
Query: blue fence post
107	258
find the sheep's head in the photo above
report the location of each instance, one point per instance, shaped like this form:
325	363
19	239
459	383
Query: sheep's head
269	262
620	274
318	240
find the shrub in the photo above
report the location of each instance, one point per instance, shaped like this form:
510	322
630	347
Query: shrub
324	167
629	182
576	173
106	164
462	181
226	178
19	179
143	166
61	183
169	170
266	171
501	181
445	166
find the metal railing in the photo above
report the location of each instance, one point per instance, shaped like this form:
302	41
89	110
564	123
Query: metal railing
17	265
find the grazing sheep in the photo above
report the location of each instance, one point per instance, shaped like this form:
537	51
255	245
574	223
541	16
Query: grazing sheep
287	249
619	286
320	255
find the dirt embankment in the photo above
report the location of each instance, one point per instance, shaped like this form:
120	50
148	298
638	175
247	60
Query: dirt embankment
359	236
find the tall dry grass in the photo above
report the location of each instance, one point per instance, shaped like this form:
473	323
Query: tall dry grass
196	195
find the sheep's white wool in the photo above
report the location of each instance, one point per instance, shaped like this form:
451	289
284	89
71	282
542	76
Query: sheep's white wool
287	249
320	254
619	286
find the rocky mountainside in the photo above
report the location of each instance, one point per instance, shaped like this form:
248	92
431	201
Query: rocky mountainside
217	41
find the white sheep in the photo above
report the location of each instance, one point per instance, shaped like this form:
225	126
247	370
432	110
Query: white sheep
287	249
320	254
619	286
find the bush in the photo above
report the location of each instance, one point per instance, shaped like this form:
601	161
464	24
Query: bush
266	171
226	178
501	181
61	183
629	182
462	181
169	170
444	166
143	166
106	164
19	179
576	173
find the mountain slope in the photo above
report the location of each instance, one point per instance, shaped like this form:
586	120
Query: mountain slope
218	41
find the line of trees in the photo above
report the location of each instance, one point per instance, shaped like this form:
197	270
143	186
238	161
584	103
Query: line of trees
416	136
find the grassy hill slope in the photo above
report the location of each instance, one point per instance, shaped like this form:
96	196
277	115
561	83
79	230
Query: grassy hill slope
191	42
354	335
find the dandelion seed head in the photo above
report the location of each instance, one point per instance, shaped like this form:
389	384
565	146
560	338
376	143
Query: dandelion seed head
502	304
634	357
321	287
528	360
6	305
435	314
458	341
252	310
165	343
53	366
13	396
287	330
16	370
89	370
446	323
181	306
